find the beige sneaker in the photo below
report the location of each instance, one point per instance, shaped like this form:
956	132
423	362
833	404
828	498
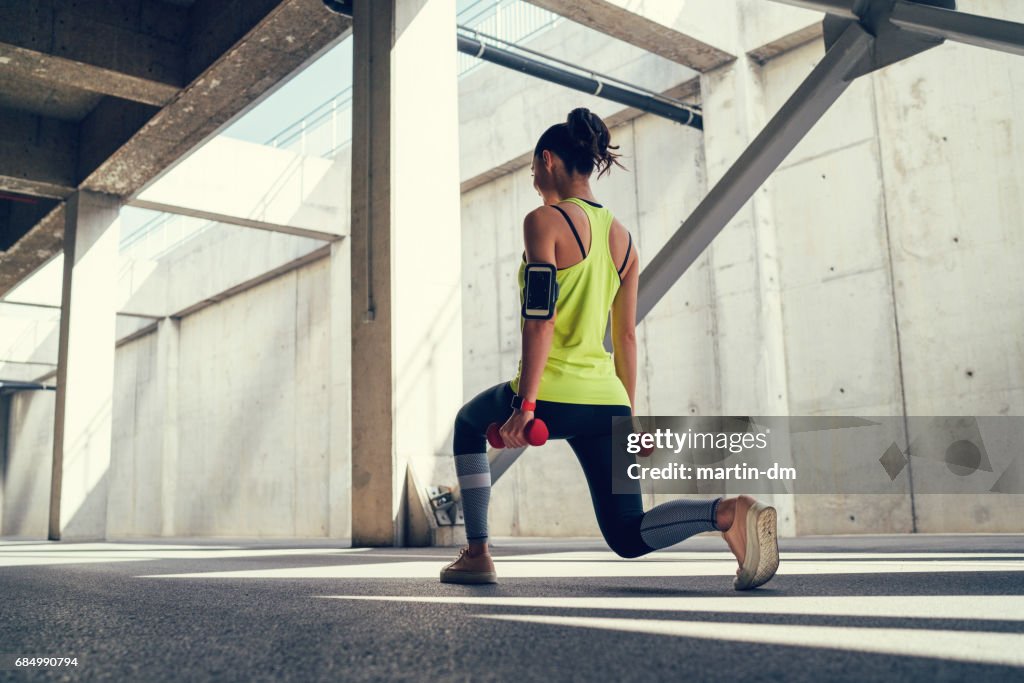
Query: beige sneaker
753	538
466	569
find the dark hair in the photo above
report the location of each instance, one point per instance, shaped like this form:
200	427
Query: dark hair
581	142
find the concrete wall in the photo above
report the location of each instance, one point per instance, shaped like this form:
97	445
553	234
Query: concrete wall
901	279
252	428
26	478
217	260
135	474
896	234
252	409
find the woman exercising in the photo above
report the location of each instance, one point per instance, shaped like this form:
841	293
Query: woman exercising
568	380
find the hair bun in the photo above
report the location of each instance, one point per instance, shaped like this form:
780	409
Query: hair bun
583	143
585	130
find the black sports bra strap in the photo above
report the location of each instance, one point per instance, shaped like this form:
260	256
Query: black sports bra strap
573	227
628	248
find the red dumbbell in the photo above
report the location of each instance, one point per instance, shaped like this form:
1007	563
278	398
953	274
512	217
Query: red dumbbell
645	451
536	433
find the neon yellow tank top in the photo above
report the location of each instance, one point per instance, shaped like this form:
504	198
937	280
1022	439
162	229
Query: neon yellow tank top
579	370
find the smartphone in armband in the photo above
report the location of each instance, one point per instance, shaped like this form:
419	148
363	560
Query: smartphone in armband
541	291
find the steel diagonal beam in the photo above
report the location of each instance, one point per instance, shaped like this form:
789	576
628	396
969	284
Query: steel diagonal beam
788	127
995	34
988	32
848	9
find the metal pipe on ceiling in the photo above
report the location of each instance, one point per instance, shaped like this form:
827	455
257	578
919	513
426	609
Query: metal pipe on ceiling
679	113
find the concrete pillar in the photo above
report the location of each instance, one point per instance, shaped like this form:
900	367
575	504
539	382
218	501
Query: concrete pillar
168	334
744	260
339	486
85	370
406	260
5	430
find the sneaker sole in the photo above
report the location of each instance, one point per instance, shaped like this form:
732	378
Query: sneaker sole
762	555
452	576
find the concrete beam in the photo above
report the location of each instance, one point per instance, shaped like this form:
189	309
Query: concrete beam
68	73
235	220
217	25
33	250
37	155
106	129
292	33
244	183
783	44
133	50
255	281
618	20
281	40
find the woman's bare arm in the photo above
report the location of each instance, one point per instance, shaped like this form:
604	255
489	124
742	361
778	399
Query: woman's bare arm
537	334
538	236
624	327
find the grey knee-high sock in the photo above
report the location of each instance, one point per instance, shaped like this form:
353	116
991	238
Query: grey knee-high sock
677	520
475	484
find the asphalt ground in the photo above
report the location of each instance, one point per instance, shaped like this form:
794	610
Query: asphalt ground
841	608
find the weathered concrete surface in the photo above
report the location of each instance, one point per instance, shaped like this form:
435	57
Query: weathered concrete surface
766	29
134	50
652	26
955	216
267	53
252	456
257	471
37	154
239	52
20	91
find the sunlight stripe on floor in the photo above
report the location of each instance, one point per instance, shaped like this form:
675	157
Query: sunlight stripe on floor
985	607
511	568
100	553
982	647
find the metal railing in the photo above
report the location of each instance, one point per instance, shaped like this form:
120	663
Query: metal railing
513	21
320	132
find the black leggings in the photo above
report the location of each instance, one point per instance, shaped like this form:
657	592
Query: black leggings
588	430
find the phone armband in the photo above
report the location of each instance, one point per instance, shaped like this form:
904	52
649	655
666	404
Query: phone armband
540	291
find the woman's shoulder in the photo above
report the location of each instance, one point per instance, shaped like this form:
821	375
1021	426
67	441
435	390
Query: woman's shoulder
542	216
